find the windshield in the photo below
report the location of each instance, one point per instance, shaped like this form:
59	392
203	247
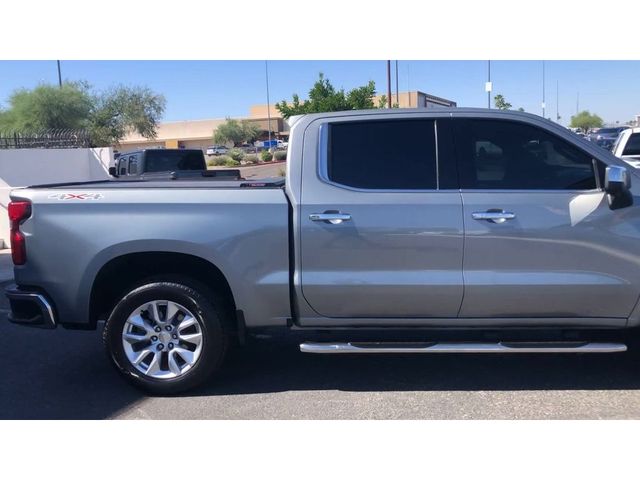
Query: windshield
608	130
172	160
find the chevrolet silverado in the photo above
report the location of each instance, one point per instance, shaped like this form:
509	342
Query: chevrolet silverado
397	231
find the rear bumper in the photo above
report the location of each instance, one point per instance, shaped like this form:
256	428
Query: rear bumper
31	308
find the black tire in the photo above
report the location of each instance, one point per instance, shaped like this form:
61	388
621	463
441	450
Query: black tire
209	310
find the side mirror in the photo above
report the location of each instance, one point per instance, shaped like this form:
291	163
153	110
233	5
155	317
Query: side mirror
113	172
617	184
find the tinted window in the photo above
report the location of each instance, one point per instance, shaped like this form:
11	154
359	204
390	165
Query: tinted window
396	154
122	163
171	160
633	145
497	154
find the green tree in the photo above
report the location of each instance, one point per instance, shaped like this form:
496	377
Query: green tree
122	109
48	107
236	132
323	97
501	103
251	131
108	116
520	109
585	121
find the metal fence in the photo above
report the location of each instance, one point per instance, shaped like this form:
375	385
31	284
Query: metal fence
45	139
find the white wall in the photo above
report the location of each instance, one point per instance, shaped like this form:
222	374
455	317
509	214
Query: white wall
32	166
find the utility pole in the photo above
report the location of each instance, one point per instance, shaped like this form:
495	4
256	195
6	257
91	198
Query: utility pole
543	92
59	75
388	83
266	72
397	88
488	86
578	103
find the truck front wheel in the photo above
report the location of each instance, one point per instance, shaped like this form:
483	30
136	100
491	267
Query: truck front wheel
166	336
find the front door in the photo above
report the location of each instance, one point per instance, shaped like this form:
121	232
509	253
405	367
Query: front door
540	238
380	235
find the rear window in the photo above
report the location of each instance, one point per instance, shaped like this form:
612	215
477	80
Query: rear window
383	155
633	145
171	160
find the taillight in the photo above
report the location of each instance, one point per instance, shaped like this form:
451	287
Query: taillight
18	212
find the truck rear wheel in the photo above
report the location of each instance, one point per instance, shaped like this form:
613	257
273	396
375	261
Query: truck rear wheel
167	336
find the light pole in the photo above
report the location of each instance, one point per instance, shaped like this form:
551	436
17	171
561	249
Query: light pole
397	88
488	85
266	76
558	101
388	83
59	74
543	92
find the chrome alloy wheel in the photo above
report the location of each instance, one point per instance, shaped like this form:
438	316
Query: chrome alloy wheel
162	339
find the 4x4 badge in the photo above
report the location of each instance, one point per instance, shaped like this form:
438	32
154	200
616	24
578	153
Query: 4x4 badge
76	196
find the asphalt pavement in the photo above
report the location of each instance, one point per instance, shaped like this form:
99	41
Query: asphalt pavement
64	374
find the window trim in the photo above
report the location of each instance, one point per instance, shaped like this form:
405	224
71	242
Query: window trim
322	170
460	163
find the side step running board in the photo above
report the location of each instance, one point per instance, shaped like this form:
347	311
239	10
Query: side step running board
449	347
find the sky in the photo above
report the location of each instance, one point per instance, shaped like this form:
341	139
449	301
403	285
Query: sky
216	89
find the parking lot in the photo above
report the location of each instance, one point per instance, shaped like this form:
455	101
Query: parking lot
65	374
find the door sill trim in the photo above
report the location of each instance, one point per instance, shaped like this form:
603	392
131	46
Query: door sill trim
553	322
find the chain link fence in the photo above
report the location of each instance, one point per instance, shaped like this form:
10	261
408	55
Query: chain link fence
45	139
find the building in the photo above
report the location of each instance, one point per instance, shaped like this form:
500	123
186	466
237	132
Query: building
417	99
199	133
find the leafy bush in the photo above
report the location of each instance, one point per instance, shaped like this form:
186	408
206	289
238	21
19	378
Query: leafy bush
251	158
236	154
280	155
218	160
230	162
266	156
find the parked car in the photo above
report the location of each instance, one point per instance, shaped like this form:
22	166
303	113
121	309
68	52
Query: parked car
217	150
605	137
627	146
155	161
502	233
248	148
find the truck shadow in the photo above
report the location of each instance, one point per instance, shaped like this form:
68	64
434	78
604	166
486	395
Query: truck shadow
278	366
66	375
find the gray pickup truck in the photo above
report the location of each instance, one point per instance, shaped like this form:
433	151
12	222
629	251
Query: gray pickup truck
397	231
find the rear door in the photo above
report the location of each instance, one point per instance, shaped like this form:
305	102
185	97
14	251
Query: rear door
540	238
380	221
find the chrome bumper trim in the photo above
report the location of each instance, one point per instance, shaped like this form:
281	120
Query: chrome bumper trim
47	318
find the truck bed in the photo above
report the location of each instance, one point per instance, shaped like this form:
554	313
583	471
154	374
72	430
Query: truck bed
242	228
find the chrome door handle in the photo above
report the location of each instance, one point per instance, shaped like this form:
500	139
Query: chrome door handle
333	218
497	216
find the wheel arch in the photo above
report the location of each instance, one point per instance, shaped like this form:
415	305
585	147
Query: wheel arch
121	273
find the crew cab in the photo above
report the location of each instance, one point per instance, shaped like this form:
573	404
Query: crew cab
397	231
